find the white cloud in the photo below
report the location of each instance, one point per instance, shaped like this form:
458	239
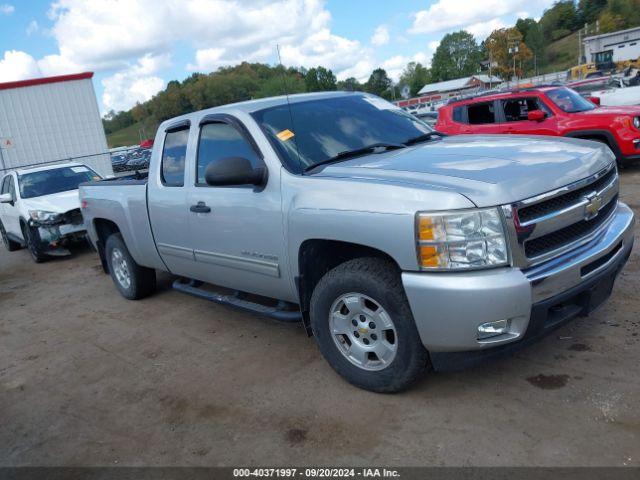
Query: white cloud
380	36
6	9
450	14
32	27
17	65
483	29
134	84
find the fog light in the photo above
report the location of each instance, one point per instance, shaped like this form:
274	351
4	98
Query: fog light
493	329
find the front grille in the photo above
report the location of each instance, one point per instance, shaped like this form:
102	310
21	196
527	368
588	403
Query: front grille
567	235
560	202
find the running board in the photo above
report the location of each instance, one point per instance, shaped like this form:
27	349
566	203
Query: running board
234	300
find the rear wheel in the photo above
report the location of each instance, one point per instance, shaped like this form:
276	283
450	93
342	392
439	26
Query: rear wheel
364	328
8	243
134	281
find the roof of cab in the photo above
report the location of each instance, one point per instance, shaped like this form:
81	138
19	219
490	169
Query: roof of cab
497	95
250	106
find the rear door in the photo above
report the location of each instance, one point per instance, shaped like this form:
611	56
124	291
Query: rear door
514	116
237	231
481	118
168	200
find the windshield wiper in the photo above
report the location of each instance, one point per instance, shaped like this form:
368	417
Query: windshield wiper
425	137
383	147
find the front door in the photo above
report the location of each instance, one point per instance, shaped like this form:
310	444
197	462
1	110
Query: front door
515	117
237	231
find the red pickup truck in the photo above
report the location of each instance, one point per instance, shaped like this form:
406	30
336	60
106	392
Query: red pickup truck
549	110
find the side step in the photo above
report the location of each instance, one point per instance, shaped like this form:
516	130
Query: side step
234	300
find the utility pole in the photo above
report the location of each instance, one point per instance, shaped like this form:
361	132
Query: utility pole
514	48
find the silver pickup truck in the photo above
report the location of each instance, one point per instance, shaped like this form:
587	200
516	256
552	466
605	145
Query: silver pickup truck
396	247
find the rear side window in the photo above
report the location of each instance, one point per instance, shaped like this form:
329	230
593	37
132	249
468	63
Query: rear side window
174	153
458	114
218	141
480	113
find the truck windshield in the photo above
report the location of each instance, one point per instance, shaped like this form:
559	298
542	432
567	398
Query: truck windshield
317	130
47	182
569	100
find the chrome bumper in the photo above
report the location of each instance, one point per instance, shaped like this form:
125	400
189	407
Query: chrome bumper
449	307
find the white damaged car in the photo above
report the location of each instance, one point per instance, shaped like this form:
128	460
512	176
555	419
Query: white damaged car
40	208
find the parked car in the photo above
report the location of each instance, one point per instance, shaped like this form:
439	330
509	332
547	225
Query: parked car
430	118
40	208
557	111
395	245
617	94
138	159
118	162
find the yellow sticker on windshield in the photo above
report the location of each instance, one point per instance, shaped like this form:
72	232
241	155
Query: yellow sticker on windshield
285	135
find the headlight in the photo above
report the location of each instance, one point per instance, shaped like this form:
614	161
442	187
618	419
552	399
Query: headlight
636	122
40	216
461	240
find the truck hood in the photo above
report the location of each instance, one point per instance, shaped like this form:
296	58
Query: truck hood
622	110
488	169
57	202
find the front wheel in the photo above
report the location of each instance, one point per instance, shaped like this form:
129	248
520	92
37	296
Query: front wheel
132	280
32	239
364	328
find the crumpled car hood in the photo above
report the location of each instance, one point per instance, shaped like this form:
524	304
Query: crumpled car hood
487	169
57	202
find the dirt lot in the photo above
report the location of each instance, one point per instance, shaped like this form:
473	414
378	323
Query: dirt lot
89	378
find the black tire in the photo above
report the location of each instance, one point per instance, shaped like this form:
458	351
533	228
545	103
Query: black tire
142	280
8	243
32	241
377	279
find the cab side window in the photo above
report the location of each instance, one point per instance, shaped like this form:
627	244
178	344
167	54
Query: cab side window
517	109
12	188
174	152
8	187
221	140
481	113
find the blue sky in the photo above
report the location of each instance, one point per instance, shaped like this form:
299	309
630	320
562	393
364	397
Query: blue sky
136	46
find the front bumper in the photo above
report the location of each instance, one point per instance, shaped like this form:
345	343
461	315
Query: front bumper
448	308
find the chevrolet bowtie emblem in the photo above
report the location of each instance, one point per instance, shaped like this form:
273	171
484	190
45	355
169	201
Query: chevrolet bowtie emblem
593	206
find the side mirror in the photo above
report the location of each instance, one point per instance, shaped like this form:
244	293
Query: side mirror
595	100
536	115
6	198
234	171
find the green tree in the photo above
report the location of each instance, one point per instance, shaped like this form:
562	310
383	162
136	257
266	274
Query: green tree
350	84
458	55
560	20
415	76
379	83
319	79
590	10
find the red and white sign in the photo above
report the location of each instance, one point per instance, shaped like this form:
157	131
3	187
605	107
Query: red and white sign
6	143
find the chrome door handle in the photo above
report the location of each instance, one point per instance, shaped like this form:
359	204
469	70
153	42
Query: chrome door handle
200	207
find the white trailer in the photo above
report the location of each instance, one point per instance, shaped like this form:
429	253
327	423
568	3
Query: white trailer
46	120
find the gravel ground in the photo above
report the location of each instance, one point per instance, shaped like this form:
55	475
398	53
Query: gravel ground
89	378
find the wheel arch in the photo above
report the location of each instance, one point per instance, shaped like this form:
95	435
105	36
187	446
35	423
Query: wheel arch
104	228
318	256
600	135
